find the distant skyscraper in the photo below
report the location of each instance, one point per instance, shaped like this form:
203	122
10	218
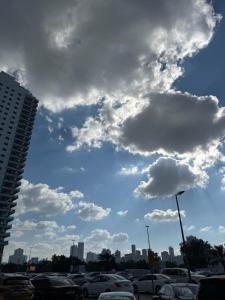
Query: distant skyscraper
17	112
133	249
171	253
74	251
81	251
91	257
18	258
117	256
165	256
145	254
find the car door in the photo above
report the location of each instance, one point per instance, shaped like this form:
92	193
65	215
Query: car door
141	284
98	285
146	283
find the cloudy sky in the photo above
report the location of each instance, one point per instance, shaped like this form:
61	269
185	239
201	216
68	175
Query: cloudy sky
131	111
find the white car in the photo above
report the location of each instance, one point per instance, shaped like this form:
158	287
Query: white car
106	283
117	296
181	275
150	283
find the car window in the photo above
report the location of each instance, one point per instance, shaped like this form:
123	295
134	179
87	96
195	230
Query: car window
60	282
183	292
146	277
117	277
40	283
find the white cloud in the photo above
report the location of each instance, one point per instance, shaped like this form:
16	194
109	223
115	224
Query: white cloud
122	213
190	228
71	227
76	194
131	170
90	135
101	238
89	211
168	176
75	54
16	234
168	215
205	229
41	198
221	229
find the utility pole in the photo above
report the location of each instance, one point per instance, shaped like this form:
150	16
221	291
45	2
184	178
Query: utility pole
182	234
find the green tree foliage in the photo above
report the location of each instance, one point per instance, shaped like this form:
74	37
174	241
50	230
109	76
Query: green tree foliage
218	255
197	252
106	260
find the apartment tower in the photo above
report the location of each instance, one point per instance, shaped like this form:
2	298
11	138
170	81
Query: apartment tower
17	112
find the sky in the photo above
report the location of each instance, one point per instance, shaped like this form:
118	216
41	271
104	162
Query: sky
131	111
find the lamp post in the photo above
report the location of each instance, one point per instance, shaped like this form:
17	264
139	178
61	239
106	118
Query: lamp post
182	233
29	258
149	251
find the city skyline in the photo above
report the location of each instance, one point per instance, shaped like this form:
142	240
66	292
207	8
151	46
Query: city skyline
130	113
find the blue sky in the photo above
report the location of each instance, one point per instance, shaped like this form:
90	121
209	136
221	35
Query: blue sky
104	161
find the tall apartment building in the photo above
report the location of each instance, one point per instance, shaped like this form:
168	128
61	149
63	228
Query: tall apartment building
18	258
74	251
81	251
17	112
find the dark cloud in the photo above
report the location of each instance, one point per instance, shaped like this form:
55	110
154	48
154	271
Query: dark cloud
174	123
168	176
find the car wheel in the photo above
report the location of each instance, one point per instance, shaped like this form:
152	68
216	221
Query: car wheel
135	289
107	291
157	288
85	293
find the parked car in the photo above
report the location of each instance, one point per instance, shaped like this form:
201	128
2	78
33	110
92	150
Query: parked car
178	291
125	275
150	283
212	288
92	274
78	279
55	287
106	283
117	296
15	287
181	275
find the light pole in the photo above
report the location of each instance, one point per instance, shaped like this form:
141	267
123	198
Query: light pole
149	251
182	233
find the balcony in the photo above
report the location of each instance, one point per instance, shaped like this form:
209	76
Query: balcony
11	212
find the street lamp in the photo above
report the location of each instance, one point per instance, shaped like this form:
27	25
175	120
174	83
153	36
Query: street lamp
182	233
149	253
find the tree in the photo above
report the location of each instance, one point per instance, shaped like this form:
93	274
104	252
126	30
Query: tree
197	252
218	255
106	259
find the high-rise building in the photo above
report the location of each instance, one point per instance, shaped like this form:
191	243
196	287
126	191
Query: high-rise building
91	256
145	254
74	251
18	258
81	251
133	249
17	112
117	256
171	253
165	256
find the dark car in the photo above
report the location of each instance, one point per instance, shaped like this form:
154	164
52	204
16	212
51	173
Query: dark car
212	288
56	287
78	279
15	287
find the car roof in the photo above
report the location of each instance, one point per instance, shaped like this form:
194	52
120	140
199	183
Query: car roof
12	275
117	294
182	284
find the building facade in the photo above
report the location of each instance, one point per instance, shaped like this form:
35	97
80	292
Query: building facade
18	258
81	251
17	113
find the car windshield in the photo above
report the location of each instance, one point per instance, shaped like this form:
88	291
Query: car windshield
16	281
117	277
60	281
